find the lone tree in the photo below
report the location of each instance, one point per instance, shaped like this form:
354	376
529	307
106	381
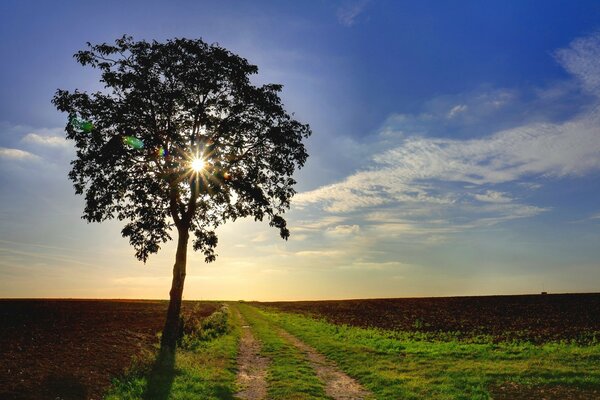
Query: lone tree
180	138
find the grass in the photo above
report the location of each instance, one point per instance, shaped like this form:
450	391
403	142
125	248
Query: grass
397	365
203	368
392	365
290	376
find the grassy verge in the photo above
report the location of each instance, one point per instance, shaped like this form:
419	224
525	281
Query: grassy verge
203	368
290	376
394	365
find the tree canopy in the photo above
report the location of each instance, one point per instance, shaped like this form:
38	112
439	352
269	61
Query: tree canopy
165	105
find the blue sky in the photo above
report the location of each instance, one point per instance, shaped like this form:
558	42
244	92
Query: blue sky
456	149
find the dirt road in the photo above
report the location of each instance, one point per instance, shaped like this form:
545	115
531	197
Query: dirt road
252	379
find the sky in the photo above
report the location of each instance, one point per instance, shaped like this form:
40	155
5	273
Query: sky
455	149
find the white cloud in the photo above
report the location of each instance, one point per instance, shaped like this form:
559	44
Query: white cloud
493	214
377	266
394	228
530	185
45	140
406	173
344	230
348	13
318	253
400	174
317	225
459	109
298	238
491	196
581	60
260	237
424	178
466	115
16	154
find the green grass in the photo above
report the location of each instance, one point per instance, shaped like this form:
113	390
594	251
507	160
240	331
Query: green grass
290	376
397	365
392	365
204	368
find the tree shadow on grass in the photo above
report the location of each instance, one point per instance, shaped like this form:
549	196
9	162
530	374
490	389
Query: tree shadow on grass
161	377
223	392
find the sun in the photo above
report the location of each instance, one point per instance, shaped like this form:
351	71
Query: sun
197	164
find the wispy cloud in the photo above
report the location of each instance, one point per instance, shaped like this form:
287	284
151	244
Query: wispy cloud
16	154
491	196
45	140
580	59
412	171
260	237
379	266
318	253
344	230
318	225
426	178
348	13
458	109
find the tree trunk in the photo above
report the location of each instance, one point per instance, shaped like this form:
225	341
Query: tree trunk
171	330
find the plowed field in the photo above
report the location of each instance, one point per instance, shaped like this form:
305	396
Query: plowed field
535	318
70	349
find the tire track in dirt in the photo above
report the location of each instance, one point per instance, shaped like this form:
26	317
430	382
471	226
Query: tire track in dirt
252	367
338	385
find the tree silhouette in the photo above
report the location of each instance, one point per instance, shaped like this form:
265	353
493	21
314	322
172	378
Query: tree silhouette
179	138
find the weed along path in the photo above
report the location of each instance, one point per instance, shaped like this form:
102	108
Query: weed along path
295	371
252	367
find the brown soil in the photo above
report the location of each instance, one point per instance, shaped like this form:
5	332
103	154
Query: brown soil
536	318
252	367
338	385
513	391
70	349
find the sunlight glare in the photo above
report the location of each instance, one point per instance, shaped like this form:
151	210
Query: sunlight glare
197	164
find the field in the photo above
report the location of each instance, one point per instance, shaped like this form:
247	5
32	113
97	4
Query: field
501	347
534	318
70	349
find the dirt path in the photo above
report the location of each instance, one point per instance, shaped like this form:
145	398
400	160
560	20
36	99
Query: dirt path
338	385
252	367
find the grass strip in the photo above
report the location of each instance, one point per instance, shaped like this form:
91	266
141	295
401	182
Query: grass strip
290	376
394	366
205	368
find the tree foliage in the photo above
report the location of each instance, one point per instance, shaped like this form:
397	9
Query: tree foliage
162	105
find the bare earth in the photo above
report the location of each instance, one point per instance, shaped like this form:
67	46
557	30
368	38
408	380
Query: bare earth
514	391
532	318
71	349
338	385
252	367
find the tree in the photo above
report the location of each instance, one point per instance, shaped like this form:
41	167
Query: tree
180	140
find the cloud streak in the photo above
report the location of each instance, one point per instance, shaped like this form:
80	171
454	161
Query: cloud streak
45	140
413	171
16	154
422	178
458	109
581	60
348	13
